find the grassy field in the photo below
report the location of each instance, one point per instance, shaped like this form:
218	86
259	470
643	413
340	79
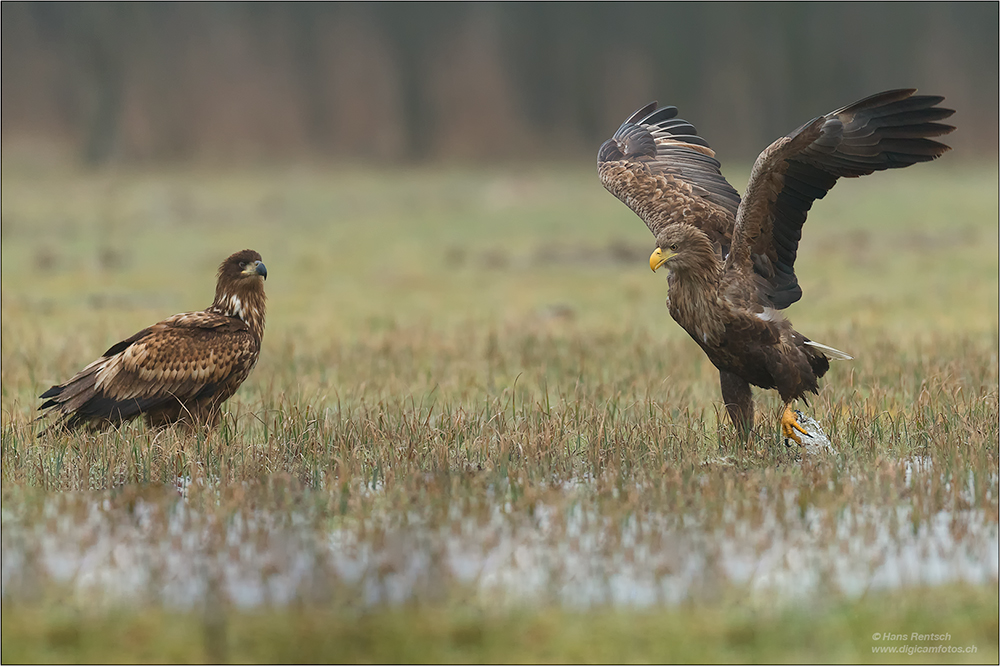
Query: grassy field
474	433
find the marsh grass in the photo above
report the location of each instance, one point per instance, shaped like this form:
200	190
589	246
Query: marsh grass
838	633
478	361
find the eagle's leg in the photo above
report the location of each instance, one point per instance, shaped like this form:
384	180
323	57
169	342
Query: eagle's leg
789	424
738	397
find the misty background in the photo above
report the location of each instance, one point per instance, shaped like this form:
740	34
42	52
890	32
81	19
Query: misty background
477	82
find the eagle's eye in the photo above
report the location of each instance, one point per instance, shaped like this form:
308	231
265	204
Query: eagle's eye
243	264
673	246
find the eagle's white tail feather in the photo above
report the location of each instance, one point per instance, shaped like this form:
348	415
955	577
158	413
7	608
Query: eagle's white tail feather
830	352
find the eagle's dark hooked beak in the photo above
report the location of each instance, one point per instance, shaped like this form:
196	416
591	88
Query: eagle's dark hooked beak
256	268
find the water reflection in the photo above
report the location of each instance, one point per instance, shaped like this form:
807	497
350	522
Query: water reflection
172	554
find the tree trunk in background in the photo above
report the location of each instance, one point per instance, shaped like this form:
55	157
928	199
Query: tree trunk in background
419	81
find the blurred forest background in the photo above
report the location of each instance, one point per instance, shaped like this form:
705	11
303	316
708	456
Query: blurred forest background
410	82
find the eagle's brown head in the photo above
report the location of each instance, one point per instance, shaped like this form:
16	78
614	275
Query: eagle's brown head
684	250
239	291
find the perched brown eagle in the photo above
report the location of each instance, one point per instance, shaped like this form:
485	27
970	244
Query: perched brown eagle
731	261
181	369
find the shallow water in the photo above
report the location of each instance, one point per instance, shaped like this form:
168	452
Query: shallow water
170	553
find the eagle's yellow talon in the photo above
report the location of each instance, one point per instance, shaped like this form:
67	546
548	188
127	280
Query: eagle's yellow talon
789	424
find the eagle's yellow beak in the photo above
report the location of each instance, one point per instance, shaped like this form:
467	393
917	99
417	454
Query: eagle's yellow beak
658	258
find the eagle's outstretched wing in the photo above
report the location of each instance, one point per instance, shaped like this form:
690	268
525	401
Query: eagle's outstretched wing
885	131
660	168
189	362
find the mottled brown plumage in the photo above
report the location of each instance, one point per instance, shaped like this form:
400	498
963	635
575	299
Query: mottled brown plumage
731	261
181	369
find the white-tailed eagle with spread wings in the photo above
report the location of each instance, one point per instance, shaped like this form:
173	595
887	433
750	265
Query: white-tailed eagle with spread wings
731	260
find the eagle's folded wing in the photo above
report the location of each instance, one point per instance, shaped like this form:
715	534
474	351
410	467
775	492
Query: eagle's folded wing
187	358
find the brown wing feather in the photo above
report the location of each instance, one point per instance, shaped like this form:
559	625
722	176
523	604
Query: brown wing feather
889	130
190	362
660	168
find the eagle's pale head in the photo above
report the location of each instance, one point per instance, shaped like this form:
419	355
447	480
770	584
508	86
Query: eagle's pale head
684	249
